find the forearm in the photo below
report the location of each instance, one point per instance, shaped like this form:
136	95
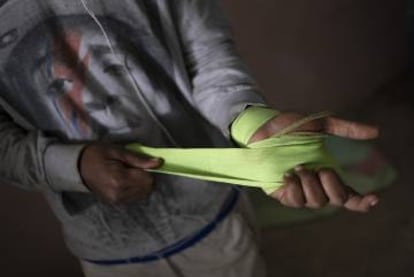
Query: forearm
222	85
33	161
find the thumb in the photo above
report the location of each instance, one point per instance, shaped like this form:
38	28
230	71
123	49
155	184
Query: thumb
136	160
349	129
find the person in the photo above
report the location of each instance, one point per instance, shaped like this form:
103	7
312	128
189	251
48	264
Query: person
80	79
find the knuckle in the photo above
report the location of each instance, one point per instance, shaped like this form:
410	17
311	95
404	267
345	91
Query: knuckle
310	180
321	202
295	200
290	188
291	200
292	180
139	177
113	198
325	173
340	200
287	179
343	197
115	184
111	181
143	181
280	193
315	205
284	202
147	179
296	204
305	174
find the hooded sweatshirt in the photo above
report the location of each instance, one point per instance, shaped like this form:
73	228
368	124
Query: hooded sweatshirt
158	72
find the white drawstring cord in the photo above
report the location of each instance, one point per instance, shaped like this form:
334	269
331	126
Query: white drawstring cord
131	77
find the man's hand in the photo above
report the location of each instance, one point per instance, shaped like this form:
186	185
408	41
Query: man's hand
115	174
315	189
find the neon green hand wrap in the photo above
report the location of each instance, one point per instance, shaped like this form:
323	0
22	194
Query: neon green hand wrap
261	164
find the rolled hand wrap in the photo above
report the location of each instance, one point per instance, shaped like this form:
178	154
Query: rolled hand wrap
261	164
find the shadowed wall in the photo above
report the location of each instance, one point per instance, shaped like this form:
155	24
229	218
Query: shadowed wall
322	54
306	56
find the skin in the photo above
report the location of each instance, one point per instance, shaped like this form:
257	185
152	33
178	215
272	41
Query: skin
117	175
316	189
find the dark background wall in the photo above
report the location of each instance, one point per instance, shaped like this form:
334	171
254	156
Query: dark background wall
331	53
306	56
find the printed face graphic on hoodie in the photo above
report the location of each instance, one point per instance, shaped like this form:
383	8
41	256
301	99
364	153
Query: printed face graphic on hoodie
90	85
90	88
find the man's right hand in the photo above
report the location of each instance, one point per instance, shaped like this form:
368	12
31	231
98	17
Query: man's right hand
116	175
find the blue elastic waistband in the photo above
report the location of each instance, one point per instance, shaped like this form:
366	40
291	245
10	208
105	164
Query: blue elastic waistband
182	244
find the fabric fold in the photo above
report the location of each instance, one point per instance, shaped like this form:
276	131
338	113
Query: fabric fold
261	164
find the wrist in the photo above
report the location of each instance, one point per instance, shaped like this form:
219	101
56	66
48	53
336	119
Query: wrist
62	167
250	122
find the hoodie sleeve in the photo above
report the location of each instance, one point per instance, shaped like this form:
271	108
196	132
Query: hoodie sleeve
32	161
222	86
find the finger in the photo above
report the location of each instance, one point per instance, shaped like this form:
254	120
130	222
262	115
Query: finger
349	129
314	193
138	160
291	194
141	180
280	122
135	193
279	194
360	203
138	177
295	195
333	187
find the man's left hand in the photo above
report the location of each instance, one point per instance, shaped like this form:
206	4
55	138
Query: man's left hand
316	189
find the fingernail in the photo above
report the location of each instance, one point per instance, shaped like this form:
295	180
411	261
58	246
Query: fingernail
299	168
157	160
288	174
374	203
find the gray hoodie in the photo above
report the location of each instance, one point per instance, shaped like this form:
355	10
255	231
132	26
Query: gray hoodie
158	72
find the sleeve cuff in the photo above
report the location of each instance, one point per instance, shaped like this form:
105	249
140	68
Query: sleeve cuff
61	166
249	121
225	113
